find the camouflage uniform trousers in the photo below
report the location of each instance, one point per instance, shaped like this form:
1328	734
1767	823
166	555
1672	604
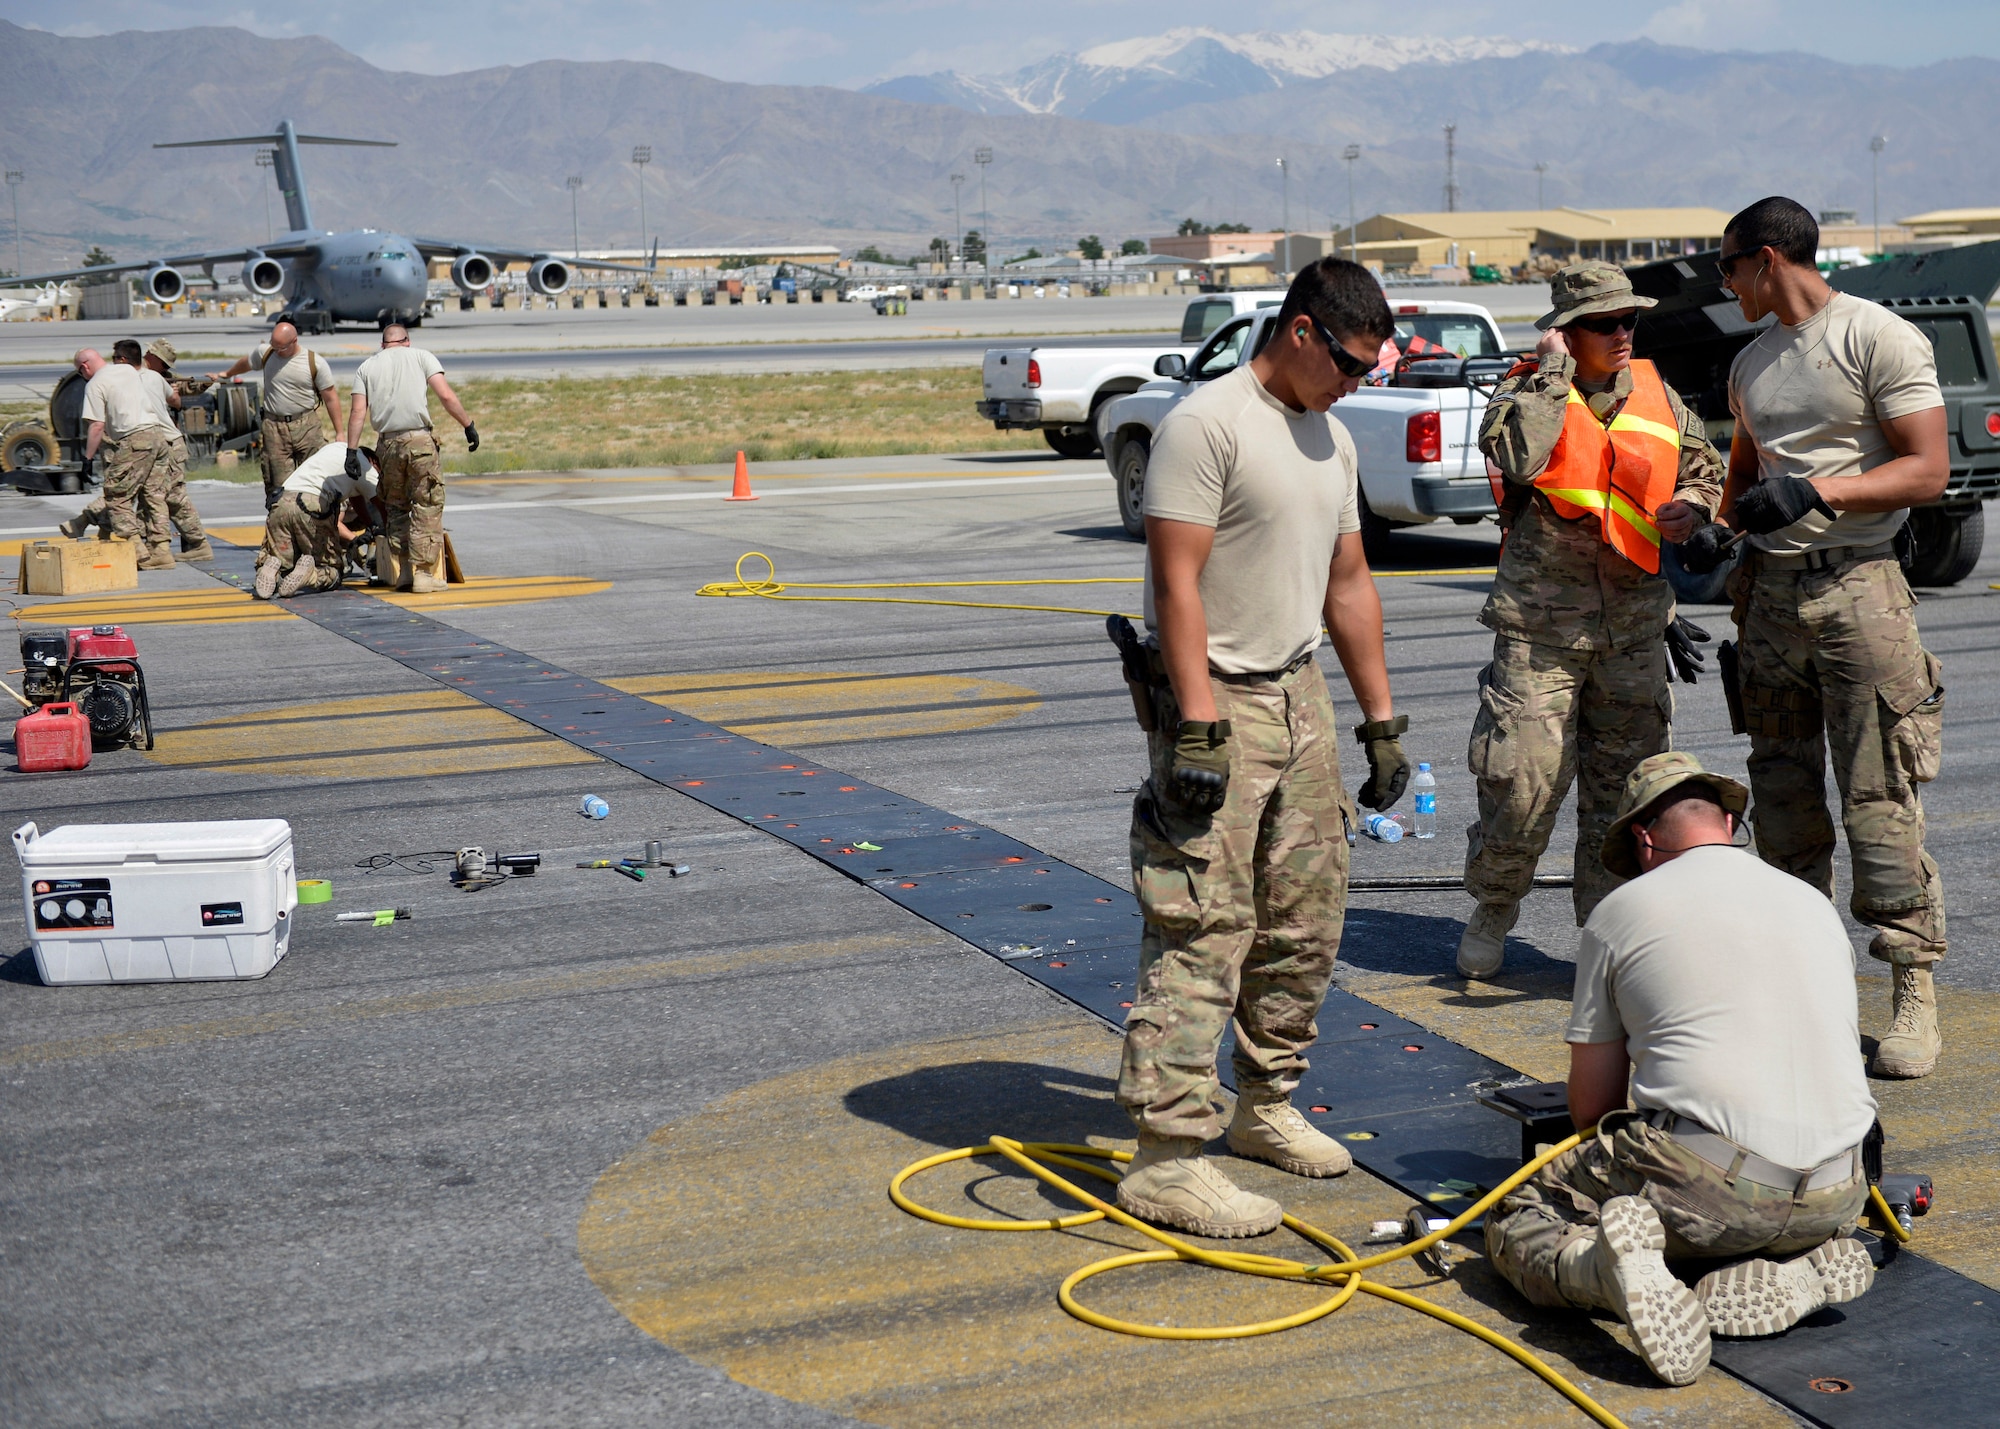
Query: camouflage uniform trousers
1550	715
1832	659
127	469
165	500
412	492
291	531
1706	1217
287	441
1243	908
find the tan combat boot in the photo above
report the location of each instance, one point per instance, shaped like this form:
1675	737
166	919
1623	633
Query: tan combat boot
1624	1271
1768	1297
157	558
1482	946
296	578
197	551
1171	1184
1911	1045
1269	1128
266	583
75	527
424	583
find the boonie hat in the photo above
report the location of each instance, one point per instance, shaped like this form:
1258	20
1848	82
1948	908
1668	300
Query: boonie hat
163	350
1585	288
1656	775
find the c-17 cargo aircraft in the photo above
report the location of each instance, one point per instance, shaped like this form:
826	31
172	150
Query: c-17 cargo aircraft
362	276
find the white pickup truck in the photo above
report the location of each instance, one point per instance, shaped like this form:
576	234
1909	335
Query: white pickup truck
1415	426
1058	390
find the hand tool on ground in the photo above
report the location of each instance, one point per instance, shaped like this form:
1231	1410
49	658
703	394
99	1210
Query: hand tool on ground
379	917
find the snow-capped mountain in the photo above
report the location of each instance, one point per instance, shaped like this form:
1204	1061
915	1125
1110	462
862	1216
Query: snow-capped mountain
1130	80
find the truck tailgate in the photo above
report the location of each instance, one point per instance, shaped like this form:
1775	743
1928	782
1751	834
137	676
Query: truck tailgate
1004	374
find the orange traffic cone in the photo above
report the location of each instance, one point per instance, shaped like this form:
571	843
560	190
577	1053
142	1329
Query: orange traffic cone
741	490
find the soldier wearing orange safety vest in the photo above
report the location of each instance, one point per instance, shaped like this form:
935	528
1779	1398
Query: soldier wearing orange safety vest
1591	454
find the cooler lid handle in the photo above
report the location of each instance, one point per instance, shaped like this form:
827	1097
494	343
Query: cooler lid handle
24	836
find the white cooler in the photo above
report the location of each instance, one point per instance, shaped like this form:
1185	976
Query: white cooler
158	902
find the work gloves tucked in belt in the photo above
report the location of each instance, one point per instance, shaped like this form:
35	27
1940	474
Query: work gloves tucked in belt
1388	766
1706	549
1200	770
1775	504
1684	639
356	467
471	437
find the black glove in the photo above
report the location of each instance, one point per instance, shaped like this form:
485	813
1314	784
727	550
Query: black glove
1775	504
1710	545
356	468
471	437
1683	638
1200	772
1388	766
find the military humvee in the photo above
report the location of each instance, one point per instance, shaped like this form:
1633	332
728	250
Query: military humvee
1697	330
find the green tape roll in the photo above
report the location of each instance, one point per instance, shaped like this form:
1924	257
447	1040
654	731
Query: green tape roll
315	890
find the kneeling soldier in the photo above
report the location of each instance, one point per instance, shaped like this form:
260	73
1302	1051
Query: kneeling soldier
305	542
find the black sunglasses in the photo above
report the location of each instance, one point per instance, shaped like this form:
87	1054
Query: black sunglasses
1606	326
1347	362
1726	264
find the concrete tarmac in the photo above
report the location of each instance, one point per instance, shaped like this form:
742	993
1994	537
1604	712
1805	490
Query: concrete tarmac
582	1150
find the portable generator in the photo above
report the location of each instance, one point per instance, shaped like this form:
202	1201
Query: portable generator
97	669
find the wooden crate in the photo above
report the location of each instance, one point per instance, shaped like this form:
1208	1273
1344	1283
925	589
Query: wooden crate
63	567
444	568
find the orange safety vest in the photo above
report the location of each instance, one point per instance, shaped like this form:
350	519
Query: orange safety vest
1619	473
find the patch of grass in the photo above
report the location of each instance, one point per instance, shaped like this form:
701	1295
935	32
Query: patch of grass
571	424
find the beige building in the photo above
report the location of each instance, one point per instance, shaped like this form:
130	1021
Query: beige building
1202	247
1963	224
1509	238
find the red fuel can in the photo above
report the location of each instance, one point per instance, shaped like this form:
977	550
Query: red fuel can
56	736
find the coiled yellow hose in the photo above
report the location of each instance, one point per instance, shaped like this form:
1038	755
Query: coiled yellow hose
1346	1273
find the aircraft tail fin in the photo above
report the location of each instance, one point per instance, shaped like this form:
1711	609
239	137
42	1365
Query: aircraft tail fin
285	163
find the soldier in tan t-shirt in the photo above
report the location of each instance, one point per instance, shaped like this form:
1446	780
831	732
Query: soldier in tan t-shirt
298	385
1840	428
1239	836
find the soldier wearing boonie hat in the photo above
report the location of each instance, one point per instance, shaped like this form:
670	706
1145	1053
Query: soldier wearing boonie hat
1722	992
1590	453
164	503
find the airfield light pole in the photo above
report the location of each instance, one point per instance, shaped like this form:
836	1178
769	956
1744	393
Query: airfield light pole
14	178
1875	147
1451	168
1540	169
983	156
1285	182
1349	155
957	222
642	155
575	182
266	159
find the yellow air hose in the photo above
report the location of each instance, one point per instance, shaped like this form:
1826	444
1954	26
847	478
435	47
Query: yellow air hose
1346	1273
769	587
1889	1221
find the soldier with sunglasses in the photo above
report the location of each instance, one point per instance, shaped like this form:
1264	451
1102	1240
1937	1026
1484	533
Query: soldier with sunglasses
1593	458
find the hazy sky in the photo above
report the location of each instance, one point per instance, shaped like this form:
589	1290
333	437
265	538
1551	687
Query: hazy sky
822	42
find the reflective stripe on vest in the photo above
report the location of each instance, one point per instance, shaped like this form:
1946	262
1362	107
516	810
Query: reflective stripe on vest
1620	473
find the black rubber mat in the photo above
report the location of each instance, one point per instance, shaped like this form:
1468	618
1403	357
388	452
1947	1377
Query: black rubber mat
1923	1347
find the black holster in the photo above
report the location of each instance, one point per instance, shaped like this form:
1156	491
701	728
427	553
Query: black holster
1138	668
1729	669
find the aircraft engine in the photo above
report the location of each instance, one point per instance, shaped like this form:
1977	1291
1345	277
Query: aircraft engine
165	285
472	272
264	276
548	275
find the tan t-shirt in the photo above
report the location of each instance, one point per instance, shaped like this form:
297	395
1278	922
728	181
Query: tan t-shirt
1815	396
117	397
1279	487
288	381
1733	985
395	382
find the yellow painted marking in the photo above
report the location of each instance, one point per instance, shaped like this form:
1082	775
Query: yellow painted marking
512	989
433	733
220	604
754	1236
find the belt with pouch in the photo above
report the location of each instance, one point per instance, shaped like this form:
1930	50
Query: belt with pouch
1827	559
1261	677
1734	1162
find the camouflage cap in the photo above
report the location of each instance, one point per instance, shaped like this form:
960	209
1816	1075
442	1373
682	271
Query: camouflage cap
163	350
1657	775
1585	288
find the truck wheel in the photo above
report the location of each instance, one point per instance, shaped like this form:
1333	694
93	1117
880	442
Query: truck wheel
1076	443
1944	545
1376	533
1130	479
29	446
1691	589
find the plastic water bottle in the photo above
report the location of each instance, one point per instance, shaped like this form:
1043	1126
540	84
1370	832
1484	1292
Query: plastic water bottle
593	807
1425	786
1381	828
